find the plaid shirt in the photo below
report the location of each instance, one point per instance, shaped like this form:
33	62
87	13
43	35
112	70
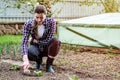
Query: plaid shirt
50	28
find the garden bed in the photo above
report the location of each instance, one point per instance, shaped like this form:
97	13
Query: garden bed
84	62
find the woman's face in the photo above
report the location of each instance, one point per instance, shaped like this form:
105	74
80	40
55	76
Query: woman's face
39	18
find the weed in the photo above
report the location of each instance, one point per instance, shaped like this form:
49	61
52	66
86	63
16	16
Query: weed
73	77
61	63
1	49
84	65
110	55
118	75
16	49
7	48
15	67
38	73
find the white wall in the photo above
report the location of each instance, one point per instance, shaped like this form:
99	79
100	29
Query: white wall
72	9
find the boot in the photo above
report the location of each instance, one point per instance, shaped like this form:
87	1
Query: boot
49	67
38	64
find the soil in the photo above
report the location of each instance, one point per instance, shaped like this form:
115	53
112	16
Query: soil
87	63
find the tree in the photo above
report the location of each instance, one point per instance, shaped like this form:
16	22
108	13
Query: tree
109	5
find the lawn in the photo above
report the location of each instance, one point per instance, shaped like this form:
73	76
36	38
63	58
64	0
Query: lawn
10	39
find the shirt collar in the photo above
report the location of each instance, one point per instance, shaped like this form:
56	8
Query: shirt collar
45	22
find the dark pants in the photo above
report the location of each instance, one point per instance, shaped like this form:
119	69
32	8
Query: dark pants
34	53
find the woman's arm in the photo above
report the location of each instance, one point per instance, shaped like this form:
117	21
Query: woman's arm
25	45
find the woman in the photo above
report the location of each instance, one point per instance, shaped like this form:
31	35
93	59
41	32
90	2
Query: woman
42	43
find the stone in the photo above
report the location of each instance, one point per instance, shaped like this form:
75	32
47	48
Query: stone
16	26
1	33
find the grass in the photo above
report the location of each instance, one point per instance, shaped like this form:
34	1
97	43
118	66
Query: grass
10	39
7	42
11	43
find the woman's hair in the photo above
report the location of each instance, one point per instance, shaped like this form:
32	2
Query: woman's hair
38	9
35	31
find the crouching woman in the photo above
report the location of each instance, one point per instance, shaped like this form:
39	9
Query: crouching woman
42	43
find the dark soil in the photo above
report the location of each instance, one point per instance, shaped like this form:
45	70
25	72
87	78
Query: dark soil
86	63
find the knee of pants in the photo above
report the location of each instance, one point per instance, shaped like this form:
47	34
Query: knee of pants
33	53
54	47
55	41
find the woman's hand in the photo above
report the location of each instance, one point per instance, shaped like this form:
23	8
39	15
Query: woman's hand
32	41
25	62
35	41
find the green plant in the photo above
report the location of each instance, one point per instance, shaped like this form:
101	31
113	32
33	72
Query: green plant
16	49
1	49
73	77
10	39
118	75
15	67
110	55
38	73
62	63
10	43
7	48
84	65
